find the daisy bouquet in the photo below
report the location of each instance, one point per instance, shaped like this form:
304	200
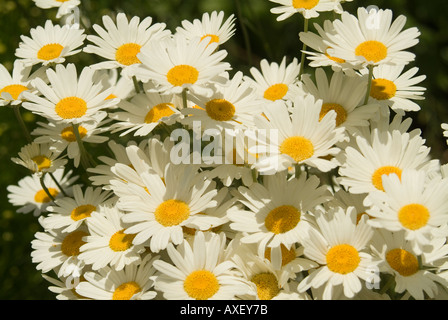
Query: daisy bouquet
161	172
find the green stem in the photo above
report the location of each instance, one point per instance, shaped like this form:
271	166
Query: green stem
302	59
22	123
136	85
184	98
42	183
244	31
84	159
369	84
57	183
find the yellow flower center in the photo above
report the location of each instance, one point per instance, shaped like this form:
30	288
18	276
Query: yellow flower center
71	107
282	219
298	148
372	50
68	133
42	197
267	285
14	90
304	4
121	241
339	60
182	74
172	212
386	170
383	89
402	261
50	51
220	109
287	255
72	242
201	284
126	291
413	216
213	38
341	114
158	112
343	259
42	162
82	212
126	54
276	92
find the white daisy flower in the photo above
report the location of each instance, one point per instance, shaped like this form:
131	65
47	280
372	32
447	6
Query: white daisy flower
343	94
372	38
120	42
143	113
108	244
410	203
339	245
211	25
177	64
39	158
13	85
49	44
277	209
263	280
30	196
159	212
64	6
383	153
299	138
58	251
69	99
393	88
412	272
231	106
320	57
62	137
69	213
275	81
134	282
308	8
199	271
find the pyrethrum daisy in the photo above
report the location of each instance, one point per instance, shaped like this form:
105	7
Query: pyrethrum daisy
158	213
199	271
177	64
412	203
212	26
275	81
308	8
121	41
372	39
339	244
13	85
302	137
277	210
69	98
50	44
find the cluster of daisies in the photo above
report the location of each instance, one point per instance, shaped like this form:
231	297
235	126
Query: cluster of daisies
332	195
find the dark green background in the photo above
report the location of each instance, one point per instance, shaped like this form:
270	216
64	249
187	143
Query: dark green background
258	36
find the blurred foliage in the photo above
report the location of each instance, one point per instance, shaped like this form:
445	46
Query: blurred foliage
258	36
